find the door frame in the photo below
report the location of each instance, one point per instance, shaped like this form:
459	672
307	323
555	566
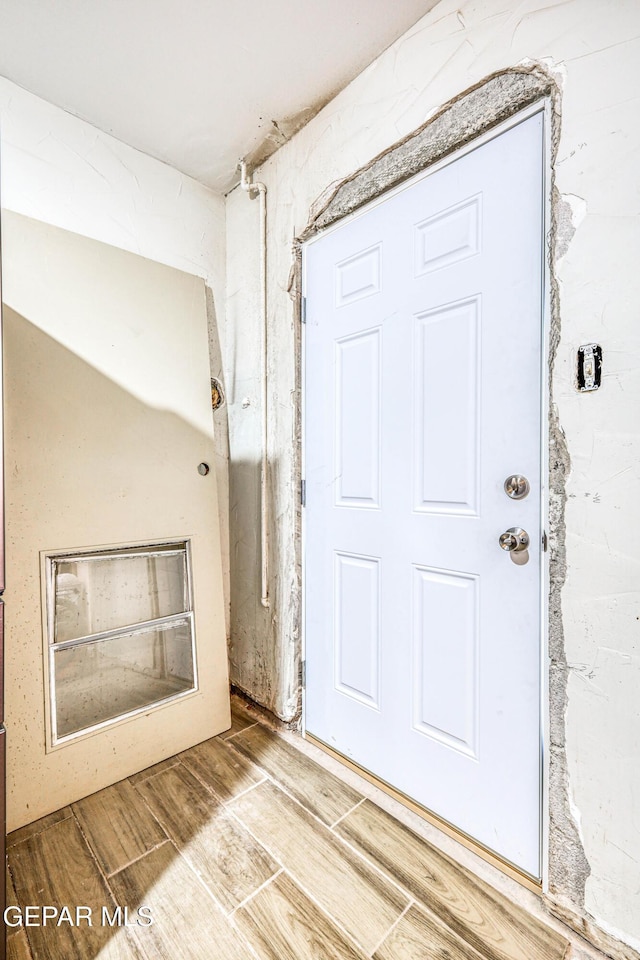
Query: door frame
545	106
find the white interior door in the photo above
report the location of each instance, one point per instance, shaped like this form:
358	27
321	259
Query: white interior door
423	394
108	415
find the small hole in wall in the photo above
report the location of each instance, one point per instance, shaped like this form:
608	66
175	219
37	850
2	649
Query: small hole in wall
217	393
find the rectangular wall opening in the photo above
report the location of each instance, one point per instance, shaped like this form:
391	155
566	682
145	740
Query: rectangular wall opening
120	634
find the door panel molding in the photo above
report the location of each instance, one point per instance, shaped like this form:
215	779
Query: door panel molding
479	732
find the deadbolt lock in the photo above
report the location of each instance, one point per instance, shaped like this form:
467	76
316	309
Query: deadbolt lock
516	487
514	540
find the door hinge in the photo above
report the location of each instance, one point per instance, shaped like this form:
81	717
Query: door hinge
303	492
544	541
303	673
303	309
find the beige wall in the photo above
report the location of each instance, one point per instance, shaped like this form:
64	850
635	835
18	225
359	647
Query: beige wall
63	171
593	50
107	416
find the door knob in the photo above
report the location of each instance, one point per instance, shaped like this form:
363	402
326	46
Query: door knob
516	487
514	540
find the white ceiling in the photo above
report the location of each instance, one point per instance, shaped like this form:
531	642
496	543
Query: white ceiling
196	83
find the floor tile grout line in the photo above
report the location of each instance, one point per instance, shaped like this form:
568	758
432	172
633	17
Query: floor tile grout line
259	842
323	910
211	789
340	839
92	852
373	864
368	859
29	954
257	890
239	753
167	839
177	760
244	792
222	807
233	752
230	736
513	909
228	917
94	857
174	842
304	888
297	882
477	878
392	927
9	870
269	778
36	833
103	872
207	786
422	904
273	779
336	923
192	866
284	789
332	826
113	873
152	776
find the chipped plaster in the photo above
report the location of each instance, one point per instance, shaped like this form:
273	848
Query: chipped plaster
465	117
451	49
461	120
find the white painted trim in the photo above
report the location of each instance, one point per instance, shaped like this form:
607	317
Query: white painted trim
545	579
303	538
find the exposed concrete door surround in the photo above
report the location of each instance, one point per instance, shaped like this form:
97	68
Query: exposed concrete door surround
423	393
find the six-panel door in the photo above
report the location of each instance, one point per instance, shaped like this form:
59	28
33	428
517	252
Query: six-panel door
422	395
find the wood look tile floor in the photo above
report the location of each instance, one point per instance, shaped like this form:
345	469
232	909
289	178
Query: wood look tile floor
244	847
